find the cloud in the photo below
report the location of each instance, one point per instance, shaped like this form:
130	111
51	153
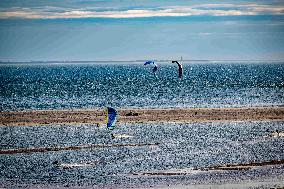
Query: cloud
170	11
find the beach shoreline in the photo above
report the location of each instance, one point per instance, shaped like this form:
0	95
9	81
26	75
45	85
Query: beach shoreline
179	115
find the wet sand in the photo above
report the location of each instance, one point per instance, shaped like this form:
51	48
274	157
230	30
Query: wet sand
222	169
54	149
97	116
228	167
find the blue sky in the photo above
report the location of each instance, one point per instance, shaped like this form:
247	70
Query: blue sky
132	29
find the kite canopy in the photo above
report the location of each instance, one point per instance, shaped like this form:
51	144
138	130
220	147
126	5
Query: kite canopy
152	62
111	117
149	62
179	69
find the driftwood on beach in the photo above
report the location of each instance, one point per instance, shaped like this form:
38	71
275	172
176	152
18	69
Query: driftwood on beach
95	116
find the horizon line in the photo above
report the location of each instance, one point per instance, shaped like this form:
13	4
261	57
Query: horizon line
140	60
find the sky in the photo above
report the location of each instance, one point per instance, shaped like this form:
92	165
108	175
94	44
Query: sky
75	30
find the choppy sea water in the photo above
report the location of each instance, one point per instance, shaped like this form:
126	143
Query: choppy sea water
133	85
184	145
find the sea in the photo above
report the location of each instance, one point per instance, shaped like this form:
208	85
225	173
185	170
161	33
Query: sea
179	147
133	85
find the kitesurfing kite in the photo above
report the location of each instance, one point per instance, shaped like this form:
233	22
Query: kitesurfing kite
179	69
152	62
111	118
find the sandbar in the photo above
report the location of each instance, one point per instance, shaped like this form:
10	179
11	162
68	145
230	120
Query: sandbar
97	116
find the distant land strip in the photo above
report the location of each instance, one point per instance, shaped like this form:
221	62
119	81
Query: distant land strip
97	116
139	61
